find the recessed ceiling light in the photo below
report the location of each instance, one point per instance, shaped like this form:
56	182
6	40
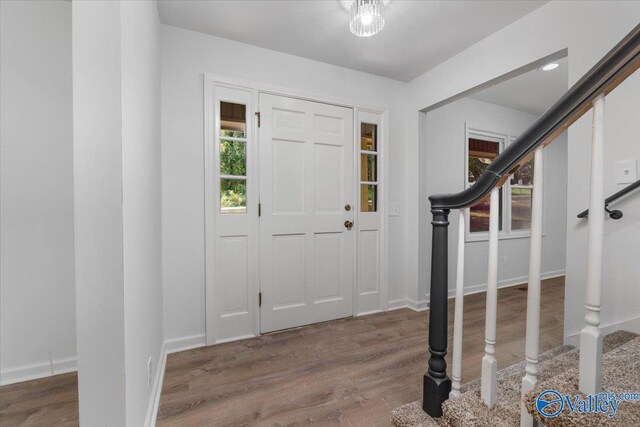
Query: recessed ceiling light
549	67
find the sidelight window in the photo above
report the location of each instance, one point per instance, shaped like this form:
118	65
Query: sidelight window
368	167
233	158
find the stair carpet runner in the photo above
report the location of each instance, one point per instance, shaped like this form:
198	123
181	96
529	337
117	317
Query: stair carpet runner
558	370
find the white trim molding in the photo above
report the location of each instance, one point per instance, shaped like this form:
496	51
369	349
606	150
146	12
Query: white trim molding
156	389
469	290
188	342
35	371
631	325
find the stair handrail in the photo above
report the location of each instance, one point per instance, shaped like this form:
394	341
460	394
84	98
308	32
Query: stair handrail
589	92
614	214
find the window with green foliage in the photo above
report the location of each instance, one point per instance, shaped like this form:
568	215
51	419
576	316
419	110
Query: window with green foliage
233	158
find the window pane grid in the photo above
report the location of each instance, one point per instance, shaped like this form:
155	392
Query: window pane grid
233	158
368	167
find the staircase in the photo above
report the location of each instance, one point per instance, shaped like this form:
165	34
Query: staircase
558	371
509	397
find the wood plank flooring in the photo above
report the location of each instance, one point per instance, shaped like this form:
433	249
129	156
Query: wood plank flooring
349	372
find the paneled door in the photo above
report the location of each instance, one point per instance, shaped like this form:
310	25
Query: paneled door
307	212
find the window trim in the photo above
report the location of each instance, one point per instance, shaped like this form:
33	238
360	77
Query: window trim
504	139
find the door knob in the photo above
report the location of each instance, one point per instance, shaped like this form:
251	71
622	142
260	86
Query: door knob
348	224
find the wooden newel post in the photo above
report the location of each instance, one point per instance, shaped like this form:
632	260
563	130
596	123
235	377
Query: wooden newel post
437	385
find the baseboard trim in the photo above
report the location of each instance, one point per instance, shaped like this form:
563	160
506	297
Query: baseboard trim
188	342
366	313
631	325
156	391
38	370
469	290
397	304
238	338
418	305
517	281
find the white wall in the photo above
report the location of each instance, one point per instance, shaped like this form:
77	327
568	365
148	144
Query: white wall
186	56
600	26
117	210
444	137
37	296
620	283
142	201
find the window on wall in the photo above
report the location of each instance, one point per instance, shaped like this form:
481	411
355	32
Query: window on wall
521	197
516	194
481	154
368	167
233	158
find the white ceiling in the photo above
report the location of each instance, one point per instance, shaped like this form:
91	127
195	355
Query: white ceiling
532	92
417	36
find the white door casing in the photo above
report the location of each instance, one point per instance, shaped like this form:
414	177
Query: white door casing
232	244
306	180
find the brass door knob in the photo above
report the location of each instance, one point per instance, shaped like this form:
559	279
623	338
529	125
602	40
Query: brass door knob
348	224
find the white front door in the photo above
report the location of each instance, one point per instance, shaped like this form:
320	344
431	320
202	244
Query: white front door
306	196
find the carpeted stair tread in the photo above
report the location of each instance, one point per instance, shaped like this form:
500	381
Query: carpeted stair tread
620	373
412	415
468	410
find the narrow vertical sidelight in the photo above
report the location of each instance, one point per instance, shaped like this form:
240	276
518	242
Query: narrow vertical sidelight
436	383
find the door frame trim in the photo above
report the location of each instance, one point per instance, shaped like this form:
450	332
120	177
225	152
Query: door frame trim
211	80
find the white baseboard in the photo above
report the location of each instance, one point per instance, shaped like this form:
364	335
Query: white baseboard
516	281
38	370
156	390
469	290
169	346
188	342
396	304
417	305
366	313
631	325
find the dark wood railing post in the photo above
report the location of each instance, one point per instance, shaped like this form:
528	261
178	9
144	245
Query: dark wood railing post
437	384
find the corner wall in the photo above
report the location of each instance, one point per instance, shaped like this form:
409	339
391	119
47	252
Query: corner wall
116	82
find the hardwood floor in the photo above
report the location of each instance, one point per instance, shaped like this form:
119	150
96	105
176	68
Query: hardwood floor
51	401
349	372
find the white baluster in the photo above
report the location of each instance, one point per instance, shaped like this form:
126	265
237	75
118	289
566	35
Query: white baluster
591	336
489	363
456	370
532	347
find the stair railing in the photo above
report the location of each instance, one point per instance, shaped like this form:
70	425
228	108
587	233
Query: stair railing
589	92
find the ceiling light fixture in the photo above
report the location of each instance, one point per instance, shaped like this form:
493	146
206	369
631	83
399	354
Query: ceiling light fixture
549	67
366	17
